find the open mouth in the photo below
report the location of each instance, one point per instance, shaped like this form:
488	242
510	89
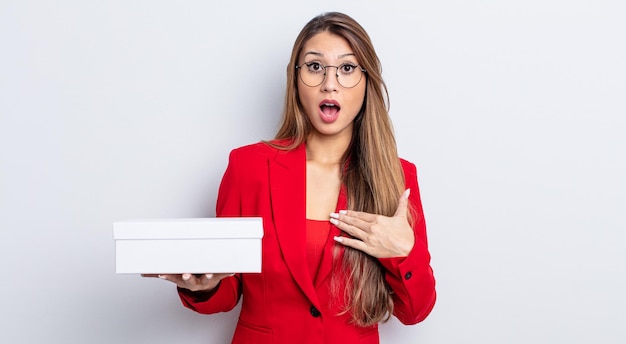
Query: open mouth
329	110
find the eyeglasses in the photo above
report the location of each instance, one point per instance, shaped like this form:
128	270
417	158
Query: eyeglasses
313	74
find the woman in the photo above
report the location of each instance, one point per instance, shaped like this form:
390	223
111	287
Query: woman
344	243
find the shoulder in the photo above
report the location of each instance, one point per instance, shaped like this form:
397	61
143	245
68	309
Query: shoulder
409	168
262	148
259	151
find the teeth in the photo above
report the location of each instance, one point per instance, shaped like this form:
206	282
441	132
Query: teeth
328	104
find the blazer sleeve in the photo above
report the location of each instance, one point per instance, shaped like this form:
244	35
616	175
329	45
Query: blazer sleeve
411	278
226	295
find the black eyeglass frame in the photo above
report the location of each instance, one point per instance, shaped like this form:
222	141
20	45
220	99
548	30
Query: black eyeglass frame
363	70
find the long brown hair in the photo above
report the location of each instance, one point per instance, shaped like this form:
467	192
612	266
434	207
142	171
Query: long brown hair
372	175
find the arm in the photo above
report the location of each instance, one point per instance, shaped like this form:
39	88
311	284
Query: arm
411	278
399	242
226	294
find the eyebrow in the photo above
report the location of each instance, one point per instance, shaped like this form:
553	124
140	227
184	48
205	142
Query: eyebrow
322	55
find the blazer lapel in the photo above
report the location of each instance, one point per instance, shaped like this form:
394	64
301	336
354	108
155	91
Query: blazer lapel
287	174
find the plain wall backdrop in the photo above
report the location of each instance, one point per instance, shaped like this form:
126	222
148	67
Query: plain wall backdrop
513	111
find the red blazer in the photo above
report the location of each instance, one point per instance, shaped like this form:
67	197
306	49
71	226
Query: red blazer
283	304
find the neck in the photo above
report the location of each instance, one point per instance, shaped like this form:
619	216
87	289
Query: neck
326	149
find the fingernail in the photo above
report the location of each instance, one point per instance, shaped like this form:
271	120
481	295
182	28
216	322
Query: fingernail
407	192
186	277
334	215
231	275
338	239
209	276
343	212
161	276
334	221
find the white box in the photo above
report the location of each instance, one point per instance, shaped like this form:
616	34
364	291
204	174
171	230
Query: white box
201	245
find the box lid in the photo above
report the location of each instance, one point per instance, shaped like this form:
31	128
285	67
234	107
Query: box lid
189	228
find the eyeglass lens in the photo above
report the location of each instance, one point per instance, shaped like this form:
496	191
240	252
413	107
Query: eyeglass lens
313	74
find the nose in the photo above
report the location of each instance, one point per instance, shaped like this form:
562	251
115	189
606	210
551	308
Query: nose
331	82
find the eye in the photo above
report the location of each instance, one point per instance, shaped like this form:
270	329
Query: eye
314	67
347	68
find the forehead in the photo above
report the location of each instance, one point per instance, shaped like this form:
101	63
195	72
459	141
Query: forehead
326	45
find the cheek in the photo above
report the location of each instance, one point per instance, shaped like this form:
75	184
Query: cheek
356	99
307	101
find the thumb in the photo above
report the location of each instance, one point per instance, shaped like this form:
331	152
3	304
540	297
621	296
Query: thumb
403	204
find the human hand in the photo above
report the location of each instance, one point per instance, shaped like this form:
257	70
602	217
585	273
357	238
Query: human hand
193	282
377	235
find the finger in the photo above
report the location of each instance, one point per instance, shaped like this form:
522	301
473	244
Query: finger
221	276
176	279
182	280
361	215
195	281
165	277
403	204
210	278
171	277
349	229
199	279
342	217
354	243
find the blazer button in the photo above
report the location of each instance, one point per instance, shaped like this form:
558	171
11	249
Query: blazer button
408	275
314	312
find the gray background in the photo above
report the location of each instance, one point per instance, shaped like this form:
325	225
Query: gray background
513	111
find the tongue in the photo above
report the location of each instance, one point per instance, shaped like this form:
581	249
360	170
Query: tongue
329	112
